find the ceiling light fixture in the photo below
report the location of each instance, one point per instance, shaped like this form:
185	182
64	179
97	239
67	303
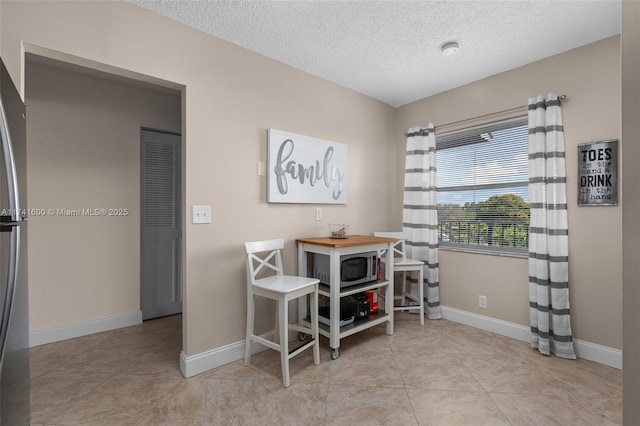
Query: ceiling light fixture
450	49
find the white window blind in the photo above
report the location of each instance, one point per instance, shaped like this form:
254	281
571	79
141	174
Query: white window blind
483	201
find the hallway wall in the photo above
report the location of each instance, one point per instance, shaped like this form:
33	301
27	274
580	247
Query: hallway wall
83	153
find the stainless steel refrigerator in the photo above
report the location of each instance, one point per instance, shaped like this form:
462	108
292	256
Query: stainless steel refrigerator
14	324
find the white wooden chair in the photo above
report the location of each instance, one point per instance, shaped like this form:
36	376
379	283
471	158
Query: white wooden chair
403	264
281	288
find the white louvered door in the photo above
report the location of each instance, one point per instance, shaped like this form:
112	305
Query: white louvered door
161	267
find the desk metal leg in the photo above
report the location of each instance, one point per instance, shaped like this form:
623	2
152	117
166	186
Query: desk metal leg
334	302
389	293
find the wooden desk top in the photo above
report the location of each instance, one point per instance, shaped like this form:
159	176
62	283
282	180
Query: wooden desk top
353	240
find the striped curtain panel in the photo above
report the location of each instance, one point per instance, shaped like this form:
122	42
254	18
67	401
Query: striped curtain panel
420	215
548	232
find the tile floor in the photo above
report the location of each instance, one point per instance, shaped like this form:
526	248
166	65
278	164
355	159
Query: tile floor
442	373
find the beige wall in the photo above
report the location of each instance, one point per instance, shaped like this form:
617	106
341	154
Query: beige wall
84	153
232	96
590	77
631	209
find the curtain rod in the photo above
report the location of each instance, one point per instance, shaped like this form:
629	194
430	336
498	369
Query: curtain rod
560	98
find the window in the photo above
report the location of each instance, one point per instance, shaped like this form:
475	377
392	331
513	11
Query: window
483	196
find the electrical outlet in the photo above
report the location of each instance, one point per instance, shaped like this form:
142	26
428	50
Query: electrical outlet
201	214
318	213
482	301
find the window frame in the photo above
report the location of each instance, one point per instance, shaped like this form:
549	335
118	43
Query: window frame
456	138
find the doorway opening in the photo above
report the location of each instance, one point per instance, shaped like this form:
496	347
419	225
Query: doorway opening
83	150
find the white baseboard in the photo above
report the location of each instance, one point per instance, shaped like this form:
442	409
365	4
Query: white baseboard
69	331
503	328
199	363
598	353
587	350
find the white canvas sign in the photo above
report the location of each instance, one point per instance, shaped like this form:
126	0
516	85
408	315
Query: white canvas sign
302	169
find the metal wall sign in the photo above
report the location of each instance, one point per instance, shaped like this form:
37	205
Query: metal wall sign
598	173
303	169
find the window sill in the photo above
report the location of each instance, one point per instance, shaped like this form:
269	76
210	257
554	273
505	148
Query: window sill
488	252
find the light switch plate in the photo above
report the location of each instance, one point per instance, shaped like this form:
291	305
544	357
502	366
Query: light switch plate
262	168
201	214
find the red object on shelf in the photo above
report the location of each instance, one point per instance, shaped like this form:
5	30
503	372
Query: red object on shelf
373	300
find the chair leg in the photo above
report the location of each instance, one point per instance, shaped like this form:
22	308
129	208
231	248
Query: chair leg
314	326
404	288
251	304
276	327
283	329
421	293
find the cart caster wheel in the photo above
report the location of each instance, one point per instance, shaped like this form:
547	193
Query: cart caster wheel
335	353
302	336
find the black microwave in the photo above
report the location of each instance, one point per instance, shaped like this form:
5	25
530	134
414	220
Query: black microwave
354	268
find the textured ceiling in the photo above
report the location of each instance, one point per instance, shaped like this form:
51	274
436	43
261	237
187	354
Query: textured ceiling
390	50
